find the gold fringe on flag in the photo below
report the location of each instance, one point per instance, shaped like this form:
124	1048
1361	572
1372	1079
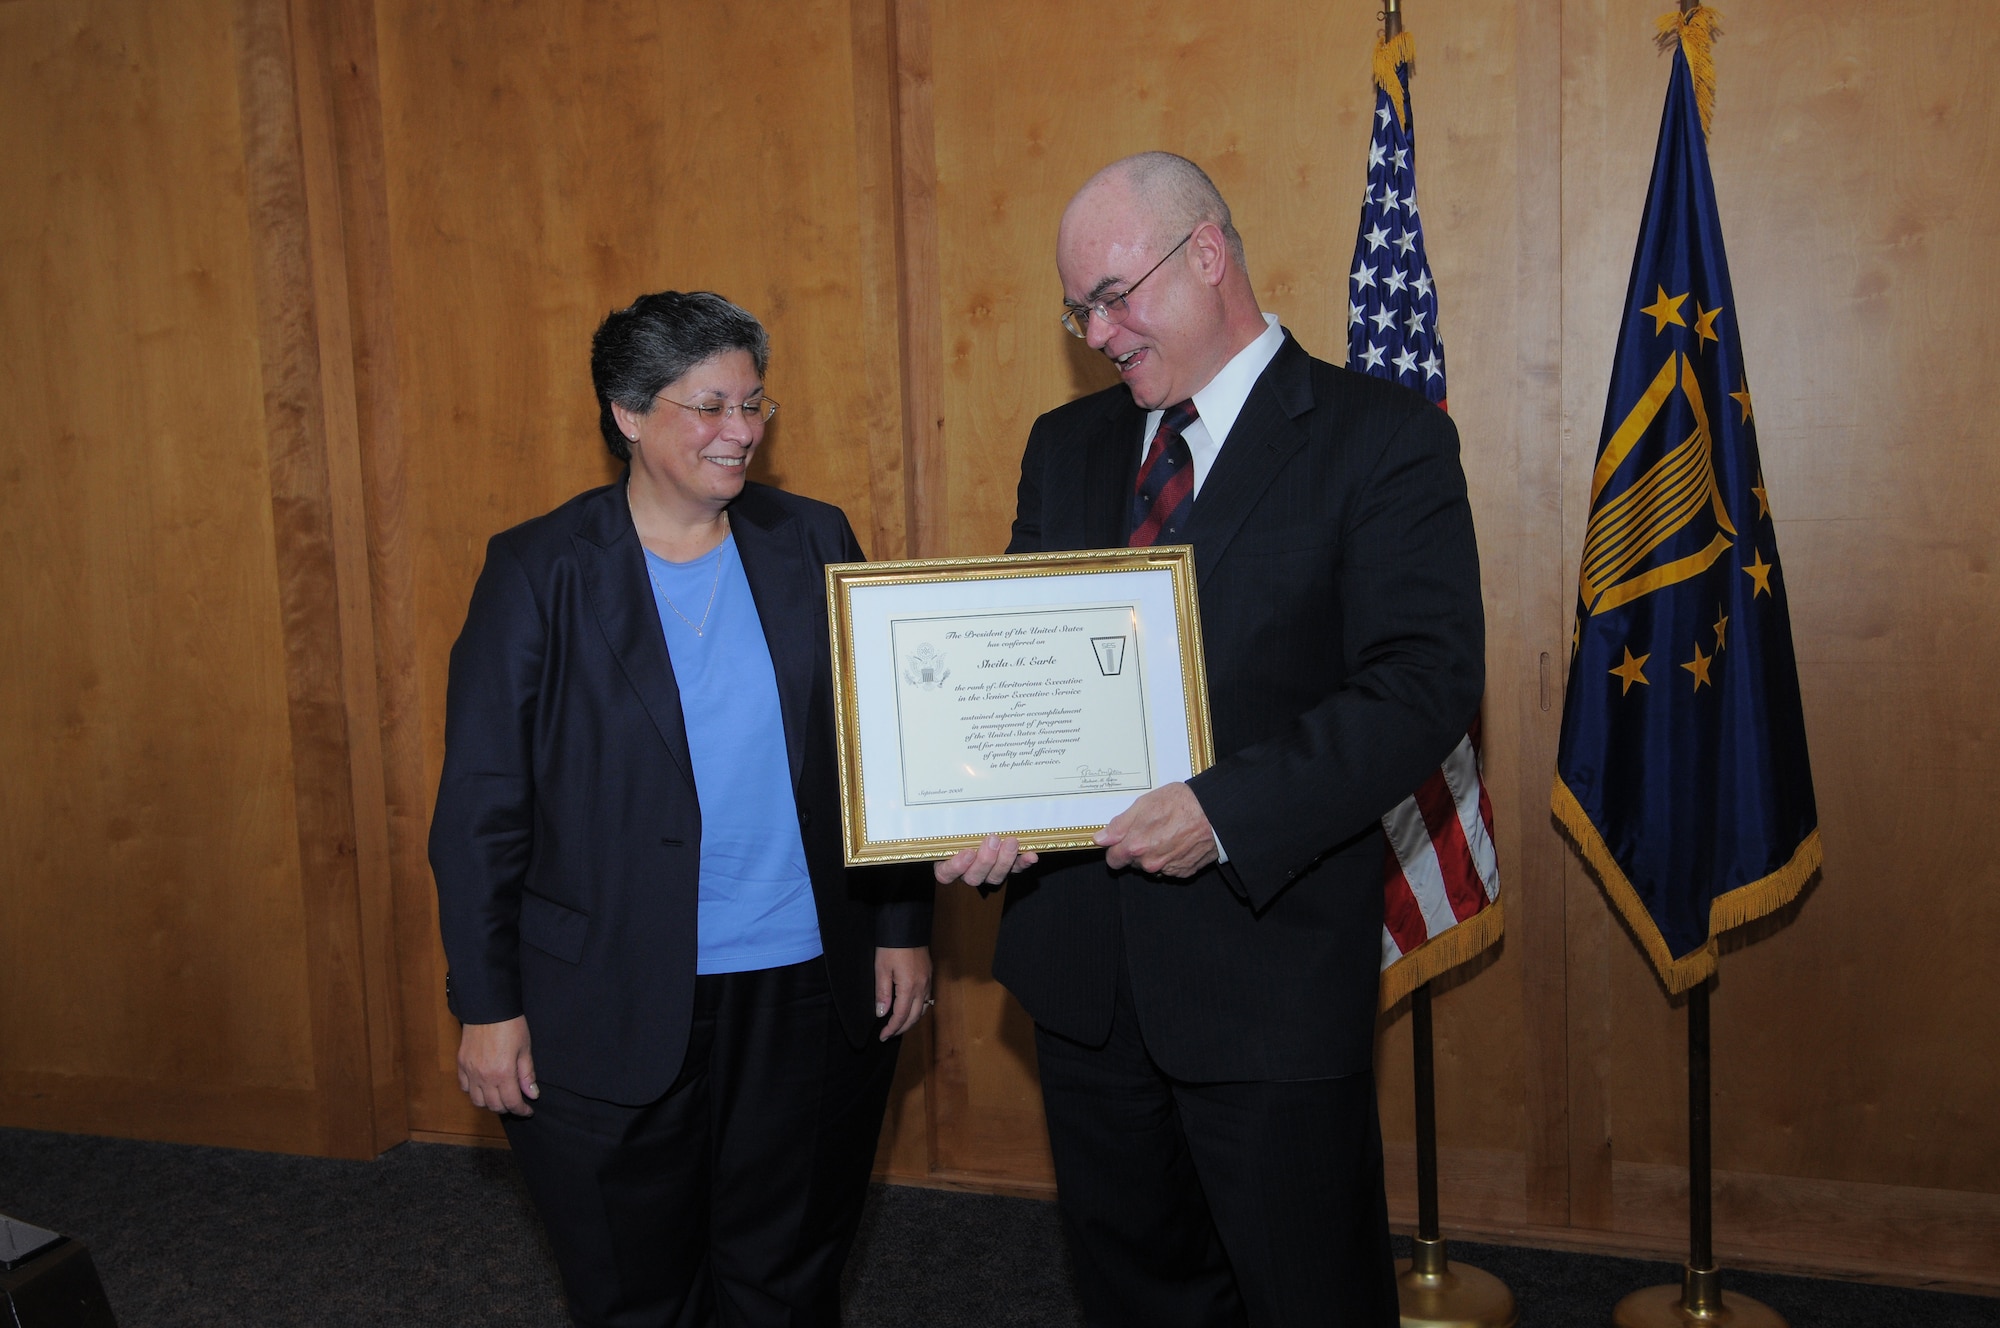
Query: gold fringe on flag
1696	31
1725	912
1400	50
1441	954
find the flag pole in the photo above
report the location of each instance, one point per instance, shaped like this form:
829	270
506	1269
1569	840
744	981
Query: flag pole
1699	1299
1431	1292
1425	1077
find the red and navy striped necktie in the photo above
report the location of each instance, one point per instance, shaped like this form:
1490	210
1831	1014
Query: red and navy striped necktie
1165	494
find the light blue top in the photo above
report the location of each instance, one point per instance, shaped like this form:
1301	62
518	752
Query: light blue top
756	903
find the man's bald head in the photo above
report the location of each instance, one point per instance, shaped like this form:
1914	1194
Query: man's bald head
1174	192
1148	253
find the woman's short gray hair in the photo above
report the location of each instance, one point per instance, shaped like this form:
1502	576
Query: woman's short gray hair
657	338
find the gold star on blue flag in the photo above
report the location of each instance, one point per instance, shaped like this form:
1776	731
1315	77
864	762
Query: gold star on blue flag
1687	789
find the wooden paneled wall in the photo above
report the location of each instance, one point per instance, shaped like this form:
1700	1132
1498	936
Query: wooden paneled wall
295	314
194	934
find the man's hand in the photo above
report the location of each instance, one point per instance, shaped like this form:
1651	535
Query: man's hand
495	1069
988	864
902	987
1164	831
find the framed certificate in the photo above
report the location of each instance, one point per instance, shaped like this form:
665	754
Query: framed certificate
1032	695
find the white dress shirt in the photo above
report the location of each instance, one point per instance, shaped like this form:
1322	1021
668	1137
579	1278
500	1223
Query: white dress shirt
1217	405
1220	402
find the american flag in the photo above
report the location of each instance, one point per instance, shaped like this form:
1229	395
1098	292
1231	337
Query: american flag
1441	878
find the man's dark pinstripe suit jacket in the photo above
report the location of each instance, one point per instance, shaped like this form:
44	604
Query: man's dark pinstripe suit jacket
1344	638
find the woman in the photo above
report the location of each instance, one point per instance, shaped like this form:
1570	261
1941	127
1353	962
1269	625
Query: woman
684	1009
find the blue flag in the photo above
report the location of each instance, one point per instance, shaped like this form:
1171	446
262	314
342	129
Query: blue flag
1682	772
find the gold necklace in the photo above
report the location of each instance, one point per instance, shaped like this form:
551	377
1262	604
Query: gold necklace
696	627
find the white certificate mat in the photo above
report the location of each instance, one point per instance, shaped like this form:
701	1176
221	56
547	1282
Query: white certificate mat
1034	696
1044	702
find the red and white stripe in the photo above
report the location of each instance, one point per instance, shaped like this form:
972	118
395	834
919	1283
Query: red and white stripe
1441	868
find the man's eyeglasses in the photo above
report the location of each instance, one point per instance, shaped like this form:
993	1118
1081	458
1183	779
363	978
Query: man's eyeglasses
757	409
1111	308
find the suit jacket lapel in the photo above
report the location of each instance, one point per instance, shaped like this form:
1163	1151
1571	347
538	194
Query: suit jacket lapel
777	564
1110	474
1267	431
621	594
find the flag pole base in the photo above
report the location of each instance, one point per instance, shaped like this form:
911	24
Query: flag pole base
1699	1299
1435	1293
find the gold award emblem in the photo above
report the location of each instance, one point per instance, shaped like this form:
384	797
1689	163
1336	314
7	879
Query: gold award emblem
1628	527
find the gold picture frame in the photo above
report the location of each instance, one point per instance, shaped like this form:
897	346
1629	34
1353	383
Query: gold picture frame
1024	695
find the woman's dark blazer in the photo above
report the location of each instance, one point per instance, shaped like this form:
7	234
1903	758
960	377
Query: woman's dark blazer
567	838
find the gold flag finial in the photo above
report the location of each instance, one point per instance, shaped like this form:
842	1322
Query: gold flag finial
1395	48
1695	27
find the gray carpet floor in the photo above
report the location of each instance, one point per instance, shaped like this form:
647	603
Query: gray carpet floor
435	1235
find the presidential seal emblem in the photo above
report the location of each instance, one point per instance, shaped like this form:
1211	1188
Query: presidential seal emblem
925	668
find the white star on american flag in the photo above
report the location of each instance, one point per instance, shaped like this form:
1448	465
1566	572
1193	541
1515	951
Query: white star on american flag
1392	308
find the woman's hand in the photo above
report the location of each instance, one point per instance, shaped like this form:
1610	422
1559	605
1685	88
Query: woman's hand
988	863
497	1072
902	987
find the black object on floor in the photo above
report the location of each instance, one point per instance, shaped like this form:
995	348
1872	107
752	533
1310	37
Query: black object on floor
48	1281
433	1234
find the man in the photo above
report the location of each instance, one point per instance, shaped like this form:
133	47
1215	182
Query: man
1204	990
